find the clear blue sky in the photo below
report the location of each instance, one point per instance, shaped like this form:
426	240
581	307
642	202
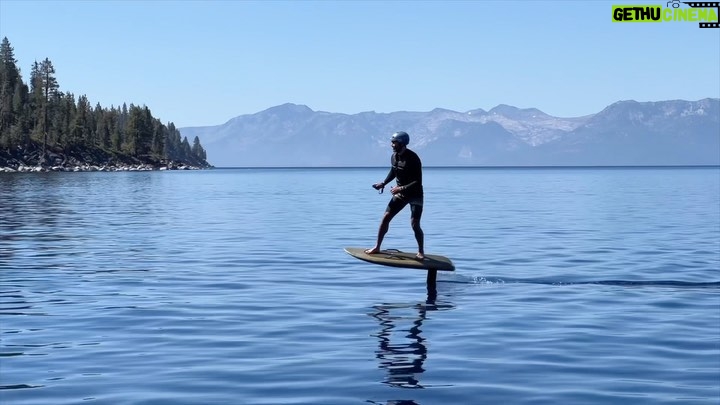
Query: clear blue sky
199	63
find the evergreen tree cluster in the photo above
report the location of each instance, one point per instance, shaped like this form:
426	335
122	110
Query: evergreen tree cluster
40	118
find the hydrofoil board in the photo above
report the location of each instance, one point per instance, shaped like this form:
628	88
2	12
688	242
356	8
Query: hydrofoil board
396	258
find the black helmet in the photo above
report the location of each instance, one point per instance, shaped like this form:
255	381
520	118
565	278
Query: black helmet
401	137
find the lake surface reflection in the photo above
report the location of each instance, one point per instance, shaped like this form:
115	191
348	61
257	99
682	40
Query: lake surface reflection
573	285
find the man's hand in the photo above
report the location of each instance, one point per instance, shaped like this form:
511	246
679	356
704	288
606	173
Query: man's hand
379	186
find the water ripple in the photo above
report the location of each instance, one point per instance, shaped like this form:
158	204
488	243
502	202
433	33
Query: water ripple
572	286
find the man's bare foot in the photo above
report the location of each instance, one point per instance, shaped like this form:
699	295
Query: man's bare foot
372	251
420	256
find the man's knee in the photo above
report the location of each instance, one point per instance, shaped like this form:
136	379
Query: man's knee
387	217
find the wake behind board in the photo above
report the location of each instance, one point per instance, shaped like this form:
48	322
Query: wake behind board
396	258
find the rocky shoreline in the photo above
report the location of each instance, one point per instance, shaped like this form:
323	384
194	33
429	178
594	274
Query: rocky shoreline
97	168
33	160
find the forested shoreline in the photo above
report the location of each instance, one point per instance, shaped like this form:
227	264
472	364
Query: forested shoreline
45	129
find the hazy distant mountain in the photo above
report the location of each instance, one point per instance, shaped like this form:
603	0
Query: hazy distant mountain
625	133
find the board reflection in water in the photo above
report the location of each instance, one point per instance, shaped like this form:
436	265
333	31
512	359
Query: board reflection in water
401	347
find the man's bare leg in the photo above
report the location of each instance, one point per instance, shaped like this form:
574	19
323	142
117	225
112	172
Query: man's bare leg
382	230
419	237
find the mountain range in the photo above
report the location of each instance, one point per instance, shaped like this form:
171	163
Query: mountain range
626	133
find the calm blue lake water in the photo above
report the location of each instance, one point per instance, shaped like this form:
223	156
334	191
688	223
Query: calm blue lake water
573	285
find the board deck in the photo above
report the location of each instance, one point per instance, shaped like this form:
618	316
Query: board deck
396	258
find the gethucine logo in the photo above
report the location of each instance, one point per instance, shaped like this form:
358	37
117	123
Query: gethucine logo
705	13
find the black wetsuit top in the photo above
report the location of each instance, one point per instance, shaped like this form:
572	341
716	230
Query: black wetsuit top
407	168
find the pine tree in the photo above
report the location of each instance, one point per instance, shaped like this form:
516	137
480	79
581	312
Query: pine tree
132	131
20	129
113	123
173	144
146	132
185	149
102	131
9	79
196	148
158	138
62	119
44	85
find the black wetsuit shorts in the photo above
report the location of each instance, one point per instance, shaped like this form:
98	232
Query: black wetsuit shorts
398	202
